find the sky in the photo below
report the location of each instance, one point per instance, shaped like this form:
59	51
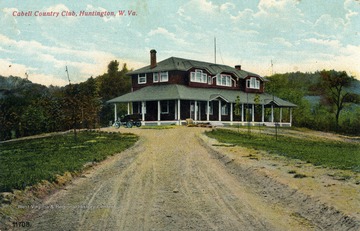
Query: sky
264	37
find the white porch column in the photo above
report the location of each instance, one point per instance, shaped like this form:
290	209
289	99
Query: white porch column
178	110
158	112
290	116
280	114
128	108
143	111
219	110
262	113
115	113
176	114
208	111
242	113
252	113
195	111
231	112
272	113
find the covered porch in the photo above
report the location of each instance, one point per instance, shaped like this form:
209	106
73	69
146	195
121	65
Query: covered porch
173	104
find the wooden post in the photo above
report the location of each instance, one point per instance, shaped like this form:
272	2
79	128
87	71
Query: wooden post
143	111
208	111
159	112
252	113
242	112
219	110
115	113
178	111
195	111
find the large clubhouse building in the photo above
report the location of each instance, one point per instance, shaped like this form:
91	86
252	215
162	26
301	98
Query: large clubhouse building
177	89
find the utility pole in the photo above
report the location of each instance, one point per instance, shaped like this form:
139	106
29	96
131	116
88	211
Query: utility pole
72	100
215	48
67	72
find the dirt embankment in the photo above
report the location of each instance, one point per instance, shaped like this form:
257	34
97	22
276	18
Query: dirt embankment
173	180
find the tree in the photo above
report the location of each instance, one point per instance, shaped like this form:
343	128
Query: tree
112	84
333	86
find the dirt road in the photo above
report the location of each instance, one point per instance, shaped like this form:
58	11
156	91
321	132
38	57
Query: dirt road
168	181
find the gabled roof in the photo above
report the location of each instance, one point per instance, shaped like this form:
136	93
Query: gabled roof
180	64
175	91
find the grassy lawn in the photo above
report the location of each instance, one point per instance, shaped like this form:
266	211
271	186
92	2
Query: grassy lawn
27	162
339	155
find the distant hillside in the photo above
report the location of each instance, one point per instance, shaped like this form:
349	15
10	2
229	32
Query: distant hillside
12	82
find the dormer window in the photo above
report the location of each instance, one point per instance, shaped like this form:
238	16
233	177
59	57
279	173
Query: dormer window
198	76
223	80
253	83
155	77
164	77
141	78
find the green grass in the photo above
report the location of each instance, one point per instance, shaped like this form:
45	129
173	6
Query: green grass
27	162
338	155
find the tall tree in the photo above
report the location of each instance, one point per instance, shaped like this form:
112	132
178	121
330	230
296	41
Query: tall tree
333	87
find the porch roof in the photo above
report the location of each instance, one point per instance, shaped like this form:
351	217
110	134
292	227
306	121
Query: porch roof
175	92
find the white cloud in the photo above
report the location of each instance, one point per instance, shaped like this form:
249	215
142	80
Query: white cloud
162	32
226	6
282	41
324	42
7	68
86	62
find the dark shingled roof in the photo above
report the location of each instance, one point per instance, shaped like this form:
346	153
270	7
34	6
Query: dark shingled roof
175	91
180	64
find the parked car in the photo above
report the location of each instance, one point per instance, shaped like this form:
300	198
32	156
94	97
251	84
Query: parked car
129	121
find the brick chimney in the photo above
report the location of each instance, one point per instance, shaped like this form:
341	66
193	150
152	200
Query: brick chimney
238	67
153	58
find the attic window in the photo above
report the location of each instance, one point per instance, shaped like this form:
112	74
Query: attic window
156	77
223	80
253	83
141	78
164	76
198	76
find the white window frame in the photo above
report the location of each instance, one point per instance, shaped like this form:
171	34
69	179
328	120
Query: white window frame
224	80
253	83
198	76
225	109
142	78
211	108
209	80
162	105
155	77
164	76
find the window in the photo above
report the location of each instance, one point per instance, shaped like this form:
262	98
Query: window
155	77
141	78
223	80
253	83
211	108
164	107
225	109
198	76
164	76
